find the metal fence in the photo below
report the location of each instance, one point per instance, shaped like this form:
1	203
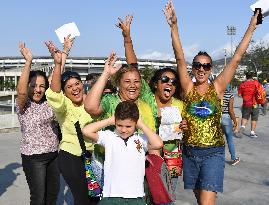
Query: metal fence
8	121
8	117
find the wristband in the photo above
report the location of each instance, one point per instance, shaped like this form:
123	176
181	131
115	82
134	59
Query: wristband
65	53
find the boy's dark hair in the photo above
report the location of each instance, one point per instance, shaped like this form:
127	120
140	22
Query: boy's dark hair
127	110
202	53
34	74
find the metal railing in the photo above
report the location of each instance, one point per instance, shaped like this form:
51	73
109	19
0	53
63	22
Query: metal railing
8	117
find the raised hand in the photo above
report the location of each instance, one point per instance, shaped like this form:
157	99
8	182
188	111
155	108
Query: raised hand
170	13
125	25
55	52
253	21
25	52
68	42
110	67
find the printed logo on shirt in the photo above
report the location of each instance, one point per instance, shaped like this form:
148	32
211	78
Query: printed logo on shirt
138	145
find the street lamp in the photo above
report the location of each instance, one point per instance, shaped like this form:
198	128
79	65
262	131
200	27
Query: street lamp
225	57
256	70
231	31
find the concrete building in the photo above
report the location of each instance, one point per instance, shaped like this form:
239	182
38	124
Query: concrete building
11	67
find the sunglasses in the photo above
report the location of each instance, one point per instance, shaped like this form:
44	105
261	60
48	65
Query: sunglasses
197	66
166	79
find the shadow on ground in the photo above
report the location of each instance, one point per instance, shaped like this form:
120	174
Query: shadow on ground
7	176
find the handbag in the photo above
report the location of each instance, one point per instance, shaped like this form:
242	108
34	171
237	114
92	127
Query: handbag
173	160
159	180
94	188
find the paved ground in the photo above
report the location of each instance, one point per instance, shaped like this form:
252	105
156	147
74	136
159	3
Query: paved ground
245	184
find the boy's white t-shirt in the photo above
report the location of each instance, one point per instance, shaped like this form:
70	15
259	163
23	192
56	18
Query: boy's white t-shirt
124	166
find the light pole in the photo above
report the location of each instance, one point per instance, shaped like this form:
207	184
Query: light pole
231	31
225	57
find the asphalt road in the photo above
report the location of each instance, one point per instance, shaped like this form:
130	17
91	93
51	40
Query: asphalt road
247	183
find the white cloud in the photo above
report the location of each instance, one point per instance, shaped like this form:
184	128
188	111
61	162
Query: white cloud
219	53
192	50
189	53
156	55
266	38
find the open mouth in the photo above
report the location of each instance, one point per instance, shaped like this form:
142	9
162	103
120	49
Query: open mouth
76	94
167	92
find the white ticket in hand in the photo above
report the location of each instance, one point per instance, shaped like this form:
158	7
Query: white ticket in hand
170	115
66	29
263	4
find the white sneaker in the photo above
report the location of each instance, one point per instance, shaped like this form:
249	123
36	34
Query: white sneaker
253	135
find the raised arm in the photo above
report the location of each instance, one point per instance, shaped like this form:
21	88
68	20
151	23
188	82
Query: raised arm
92	102
128	43
154	140
68	43
231	112
56	74
225	77
90	130
185	79
22	87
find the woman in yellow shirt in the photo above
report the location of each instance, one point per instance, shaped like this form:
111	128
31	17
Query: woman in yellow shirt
65	96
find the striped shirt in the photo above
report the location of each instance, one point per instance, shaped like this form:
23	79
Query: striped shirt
226	98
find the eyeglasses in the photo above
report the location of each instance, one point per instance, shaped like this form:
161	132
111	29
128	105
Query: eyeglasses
69	74
166	79
197	66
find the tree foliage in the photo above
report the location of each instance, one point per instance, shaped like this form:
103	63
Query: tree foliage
258	57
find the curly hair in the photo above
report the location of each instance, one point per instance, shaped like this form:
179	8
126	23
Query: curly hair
157	75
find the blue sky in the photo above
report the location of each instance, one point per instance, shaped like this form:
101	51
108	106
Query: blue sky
202	26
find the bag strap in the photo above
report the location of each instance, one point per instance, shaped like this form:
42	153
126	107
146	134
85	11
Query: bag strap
80	137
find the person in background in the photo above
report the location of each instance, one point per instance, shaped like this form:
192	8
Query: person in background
250	108
65	96
229	123
203	142
39	141
109	88
90	78
125	154
264	106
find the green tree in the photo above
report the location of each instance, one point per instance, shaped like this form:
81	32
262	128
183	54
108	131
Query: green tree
258	56
147	72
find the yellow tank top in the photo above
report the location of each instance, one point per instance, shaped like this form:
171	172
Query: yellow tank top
203	115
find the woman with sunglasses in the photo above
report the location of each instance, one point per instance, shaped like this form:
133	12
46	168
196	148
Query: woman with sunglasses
203	150
127	79
39	141
166	95
65	96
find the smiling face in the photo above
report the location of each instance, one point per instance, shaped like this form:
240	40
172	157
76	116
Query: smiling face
125	128
129	86
73	89
37	88
165	90
201	74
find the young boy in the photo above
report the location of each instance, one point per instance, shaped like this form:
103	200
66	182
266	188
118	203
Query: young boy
124	167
